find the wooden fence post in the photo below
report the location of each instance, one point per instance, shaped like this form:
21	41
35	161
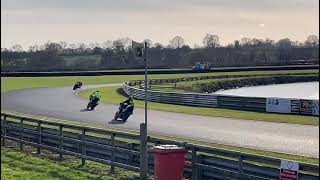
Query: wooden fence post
39	137
112	152
21	134
4	130
83	146
61	141
194	162
240	166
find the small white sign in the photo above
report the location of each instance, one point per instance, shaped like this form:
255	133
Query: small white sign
289	170
278	105
289	165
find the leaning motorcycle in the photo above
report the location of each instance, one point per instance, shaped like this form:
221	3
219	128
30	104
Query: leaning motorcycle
77	85
124	111
92	103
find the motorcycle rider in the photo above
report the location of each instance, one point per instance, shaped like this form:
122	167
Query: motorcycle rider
95	97
127	104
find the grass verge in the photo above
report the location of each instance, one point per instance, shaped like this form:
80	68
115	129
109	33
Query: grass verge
17	165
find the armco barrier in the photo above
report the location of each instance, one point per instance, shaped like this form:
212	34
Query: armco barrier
256	104
122	150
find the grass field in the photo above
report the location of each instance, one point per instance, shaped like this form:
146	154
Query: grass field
14	83
16	165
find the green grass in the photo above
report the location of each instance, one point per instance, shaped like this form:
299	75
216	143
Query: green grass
15	83
110	95
17	165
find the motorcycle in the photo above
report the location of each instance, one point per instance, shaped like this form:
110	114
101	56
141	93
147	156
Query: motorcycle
92	103
77	85
124	111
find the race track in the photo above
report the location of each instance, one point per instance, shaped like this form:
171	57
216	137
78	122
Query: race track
63	103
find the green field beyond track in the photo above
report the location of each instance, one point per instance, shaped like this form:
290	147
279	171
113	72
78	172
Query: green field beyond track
14	83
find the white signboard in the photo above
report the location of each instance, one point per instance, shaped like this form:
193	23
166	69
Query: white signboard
315	107
289	170
278	105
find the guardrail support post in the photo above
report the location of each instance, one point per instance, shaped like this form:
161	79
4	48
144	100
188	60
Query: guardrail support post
83	146
4	131
194	163
61	141
240	166
112	152
39	137
21	134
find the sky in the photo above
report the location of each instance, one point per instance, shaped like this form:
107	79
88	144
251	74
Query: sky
29	22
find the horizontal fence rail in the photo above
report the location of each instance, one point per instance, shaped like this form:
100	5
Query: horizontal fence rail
122	150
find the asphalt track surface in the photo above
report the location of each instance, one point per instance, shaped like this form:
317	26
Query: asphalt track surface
63	103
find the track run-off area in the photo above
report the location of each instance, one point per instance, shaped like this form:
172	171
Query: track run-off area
64	103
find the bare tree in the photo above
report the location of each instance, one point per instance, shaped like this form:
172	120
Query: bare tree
118	44
81	47
53	47
284	43
245	42
158	45
107	44
312	41
34	48
236	44
177	42
149	42
63	44
211	40
16	48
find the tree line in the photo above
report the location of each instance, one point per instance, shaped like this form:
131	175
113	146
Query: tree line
177	54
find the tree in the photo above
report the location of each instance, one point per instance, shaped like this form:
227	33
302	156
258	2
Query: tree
312	41
63	44
211	40
107	44
149	42
33	48
158	45
16	48
236	44
81	47
245	42
284	43
177	42
54	48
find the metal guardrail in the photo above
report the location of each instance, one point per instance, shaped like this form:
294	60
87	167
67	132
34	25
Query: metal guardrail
256	104
122	150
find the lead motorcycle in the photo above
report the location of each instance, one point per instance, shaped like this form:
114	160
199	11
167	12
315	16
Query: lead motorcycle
124	111
77	85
